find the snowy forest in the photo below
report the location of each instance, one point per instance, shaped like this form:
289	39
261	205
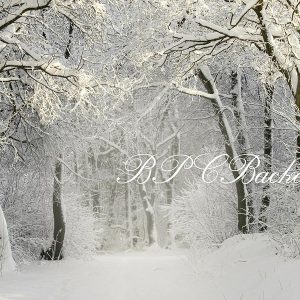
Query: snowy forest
150	149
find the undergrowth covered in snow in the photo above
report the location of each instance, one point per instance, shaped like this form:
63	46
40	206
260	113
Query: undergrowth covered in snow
204	215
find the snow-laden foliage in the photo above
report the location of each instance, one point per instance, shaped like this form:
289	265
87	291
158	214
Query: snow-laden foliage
203	216
87	84
25	200
283	217
82	231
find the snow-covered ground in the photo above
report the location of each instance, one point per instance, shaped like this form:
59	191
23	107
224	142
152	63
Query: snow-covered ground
244	268
154	274
250	267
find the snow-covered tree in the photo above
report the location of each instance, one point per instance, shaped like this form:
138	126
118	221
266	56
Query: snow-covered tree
6	261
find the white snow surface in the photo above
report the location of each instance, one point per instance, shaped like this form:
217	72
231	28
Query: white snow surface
154	274
250	267
246	267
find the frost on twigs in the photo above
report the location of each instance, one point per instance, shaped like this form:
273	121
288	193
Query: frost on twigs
204	215
46	101
284	219
84	96
86	15
91	7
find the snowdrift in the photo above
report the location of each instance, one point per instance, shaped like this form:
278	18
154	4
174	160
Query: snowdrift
250	267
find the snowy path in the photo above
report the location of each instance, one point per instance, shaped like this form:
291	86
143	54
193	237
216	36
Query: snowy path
131	276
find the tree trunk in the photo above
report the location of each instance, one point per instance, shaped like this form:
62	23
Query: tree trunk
208	82
175	149
55	251
113	189
7	262
267	155
134	218
285	72
243	142
297	101
128	215
95	195
149	212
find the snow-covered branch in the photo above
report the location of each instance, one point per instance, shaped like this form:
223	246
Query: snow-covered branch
193	92
239	33
24	6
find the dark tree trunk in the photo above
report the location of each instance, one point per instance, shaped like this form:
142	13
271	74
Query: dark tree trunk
68	47
55	251
229	148
267	155
134	230
286	73
297	101
243	144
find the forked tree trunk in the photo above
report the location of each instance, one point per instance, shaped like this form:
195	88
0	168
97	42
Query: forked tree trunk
55	252
7	262
295	88
209	84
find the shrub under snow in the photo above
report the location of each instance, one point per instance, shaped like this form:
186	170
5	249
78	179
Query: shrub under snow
204	215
